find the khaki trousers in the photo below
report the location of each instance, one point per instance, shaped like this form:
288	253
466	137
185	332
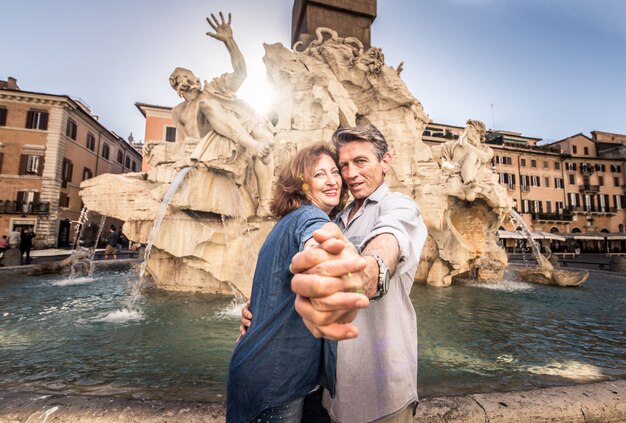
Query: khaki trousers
405	416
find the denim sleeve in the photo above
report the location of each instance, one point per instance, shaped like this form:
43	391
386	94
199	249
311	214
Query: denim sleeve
310	221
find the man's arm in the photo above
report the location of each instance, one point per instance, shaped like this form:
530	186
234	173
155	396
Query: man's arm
223	32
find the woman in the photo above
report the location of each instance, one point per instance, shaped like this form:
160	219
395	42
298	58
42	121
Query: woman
277	362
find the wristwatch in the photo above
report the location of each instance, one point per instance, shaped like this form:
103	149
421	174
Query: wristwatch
383	277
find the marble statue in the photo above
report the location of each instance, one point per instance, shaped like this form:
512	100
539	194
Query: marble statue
468	155
221	123
205	245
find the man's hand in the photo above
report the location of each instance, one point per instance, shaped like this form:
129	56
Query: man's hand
327	283
223	31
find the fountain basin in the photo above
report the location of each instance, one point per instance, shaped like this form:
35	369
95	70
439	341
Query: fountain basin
79	337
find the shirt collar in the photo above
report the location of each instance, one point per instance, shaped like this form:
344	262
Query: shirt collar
378	195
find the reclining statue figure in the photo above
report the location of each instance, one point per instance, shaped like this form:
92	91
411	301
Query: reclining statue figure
223	125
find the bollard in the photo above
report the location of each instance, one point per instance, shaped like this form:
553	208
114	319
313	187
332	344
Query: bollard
618	264
12	257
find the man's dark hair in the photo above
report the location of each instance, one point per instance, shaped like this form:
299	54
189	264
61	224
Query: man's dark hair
367	133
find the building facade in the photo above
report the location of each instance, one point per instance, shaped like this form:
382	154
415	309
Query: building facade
574	187
49	144
159	125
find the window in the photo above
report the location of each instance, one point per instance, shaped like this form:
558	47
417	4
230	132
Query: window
572	179
64	200
3	116
570	166
586	151
105	151
134	166
601	180
70	131
535	181
522	162
547	181
68	169
91	142
557	165
120	156
615	181
127	162
558	183
603	202
87	174
26	200
525	206
619	201
170	134
546	165
37	119
574	149
588	202
503	160
533	163
559	207
525	182
508	179
31	165
574	200
537	206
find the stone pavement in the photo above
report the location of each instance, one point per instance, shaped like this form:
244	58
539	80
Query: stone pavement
596	402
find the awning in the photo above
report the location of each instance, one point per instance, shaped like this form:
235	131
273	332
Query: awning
510	235
589	236
536	235
615	236
549	235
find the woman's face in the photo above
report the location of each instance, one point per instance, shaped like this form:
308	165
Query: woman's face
323	187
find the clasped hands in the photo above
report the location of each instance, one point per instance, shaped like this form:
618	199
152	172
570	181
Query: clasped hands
328	283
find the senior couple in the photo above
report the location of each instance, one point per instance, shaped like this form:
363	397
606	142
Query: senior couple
311	280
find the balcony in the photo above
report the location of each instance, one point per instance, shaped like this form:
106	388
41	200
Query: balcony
593	210
554	217
18	207
590	188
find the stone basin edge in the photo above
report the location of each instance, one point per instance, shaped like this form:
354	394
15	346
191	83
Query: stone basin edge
593	402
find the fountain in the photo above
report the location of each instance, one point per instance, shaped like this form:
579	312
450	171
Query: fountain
218	213
205	223
545	273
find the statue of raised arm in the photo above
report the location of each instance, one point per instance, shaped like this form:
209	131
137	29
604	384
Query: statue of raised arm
223	125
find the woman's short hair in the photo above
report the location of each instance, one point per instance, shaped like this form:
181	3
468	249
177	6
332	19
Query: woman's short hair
289	193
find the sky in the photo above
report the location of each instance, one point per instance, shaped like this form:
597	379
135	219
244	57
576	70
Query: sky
544	68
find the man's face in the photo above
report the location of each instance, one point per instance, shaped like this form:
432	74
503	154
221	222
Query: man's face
186	81
361	169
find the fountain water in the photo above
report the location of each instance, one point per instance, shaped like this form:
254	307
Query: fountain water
180	176
545	273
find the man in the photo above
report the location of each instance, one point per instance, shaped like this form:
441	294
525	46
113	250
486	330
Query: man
377	370
220	121
112	240
14	239
26	244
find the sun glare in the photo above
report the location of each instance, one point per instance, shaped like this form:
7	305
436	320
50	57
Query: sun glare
257	93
